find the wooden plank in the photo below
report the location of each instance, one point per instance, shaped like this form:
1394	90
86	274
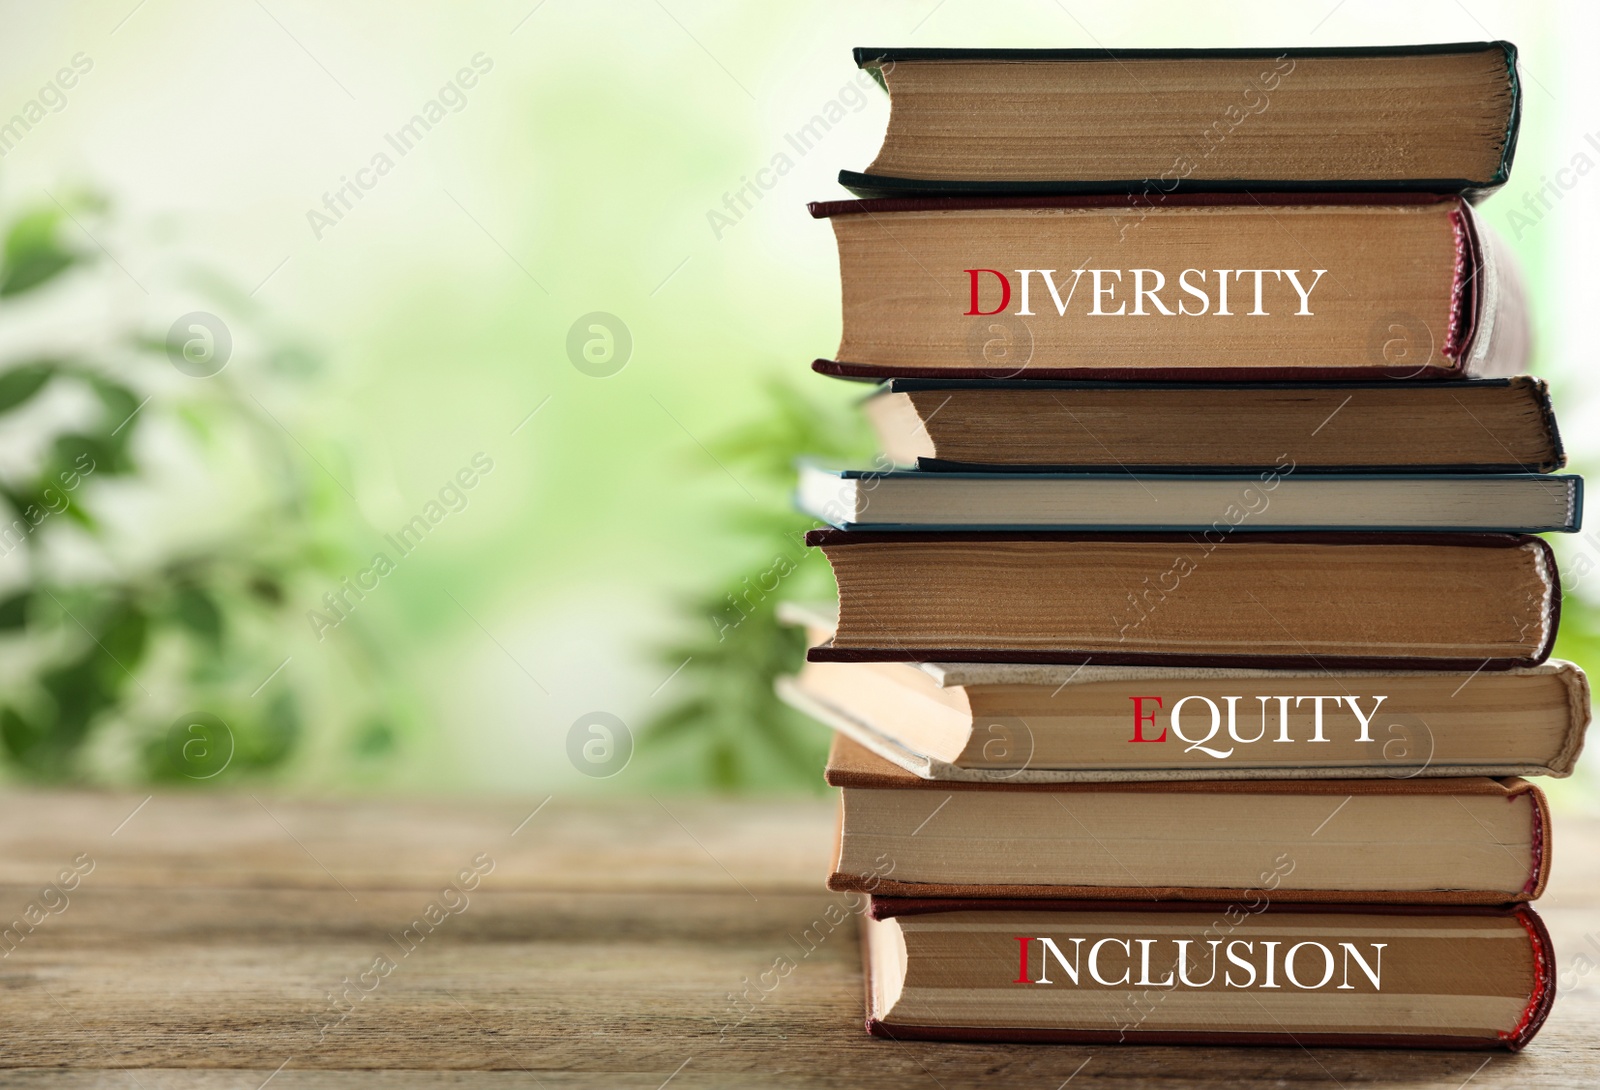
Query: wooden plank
250	841
202	948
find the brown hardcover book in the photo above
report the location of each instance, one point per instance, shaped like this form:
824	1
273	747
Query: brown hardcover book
1005	722
1149	122
1268	287
1377	841
1270	600
1495	425
1250	972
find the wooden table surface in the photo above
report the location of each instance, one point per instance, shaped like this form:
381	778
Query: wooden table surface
239	940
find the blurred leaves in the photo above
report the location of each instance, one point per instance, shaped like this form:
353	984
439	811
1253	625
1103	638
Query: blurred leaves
732	725
33	253
727	728
195	609
792	427
83	652
21	383
1578	638
78	686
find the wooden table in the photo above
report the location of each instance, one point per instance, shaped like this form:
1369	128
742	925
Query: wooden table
235	940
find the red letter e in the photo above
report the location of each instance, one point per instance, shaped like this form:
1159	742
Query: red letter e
1140	719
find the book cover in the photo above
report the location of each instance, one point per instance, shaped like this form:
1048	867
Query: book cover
1353	841
976	722
1270	600
1251	971
1432	118
1044	425
1202	287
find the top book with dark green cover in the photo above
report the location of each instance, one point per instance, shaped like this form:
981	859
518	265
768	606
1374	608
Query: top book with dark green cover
1150	122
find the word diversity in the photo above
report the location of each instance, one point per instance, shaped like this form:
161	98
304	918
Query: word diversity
1145	285
1174	660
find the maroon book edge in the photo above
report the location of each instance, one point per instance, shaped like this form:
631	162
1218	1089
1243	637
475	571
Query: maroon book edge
1533	1017
878	372
828	535
1467	289
883	205
1068	657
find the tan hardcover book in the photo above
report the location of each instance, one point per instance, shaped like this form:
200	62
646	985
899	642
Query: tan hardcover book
1002	722
1213	598
1251	972
1500	425
1381	841
1267	287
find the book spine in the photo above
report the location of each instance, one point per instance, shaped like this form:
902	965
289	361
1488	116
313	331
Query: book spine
1540	393
1508	149
1544	982
1545	559
1539	854
1579	711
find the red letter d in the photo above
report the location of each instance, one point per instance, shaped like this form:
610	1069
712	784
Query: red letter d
1005	290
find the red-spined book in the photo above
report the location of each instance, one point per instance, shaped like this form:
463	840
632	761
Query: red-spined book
1244	972
1259	287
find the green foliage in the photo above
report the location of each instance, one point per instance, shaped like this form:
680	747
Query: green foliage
34	254
21	383
732	725
112	646
1578	638
729	730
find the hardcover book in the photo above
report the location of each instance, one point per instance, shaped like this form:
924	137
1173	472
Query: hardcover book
1149	122
1465	602
1008	722
1372	841
1250	972
1485	425
909	499
1270	287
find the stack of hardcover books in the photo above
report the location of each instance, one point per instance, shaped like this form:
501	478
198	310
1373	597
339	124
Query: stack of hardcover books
1193	631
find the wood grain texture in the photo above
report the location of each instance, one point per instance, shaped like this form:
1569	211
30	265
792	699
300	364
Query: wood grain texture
600	950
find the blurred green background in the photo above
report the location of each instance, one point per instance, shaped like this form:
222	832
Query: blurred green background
392	307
